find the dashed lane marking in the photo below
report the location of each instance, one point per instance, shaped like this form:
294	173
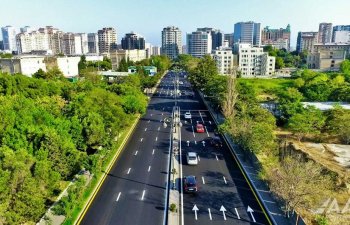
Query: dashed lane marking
149	168
128	171
153	152
143	195
136	152
237	214
225	180
209	214
203	180
118	196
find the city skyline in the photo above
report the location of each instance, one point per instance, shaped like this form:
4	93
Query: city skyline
150	17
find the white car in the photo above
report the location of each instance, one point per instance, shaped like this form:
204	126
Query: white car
192	158
188	115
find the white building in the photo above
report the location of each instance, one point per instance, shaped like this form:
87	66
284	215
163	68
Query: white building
26	65
9	38
133	55
341	36
171	42
93	43
254	62
84	43
54	38
148	48
32	41
155	50
199	43
68	65
225	60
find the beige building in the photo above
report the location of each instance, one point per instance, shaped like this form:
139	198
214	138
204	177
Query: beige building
32	41
254	62
133	55
107	39
54	38
328	57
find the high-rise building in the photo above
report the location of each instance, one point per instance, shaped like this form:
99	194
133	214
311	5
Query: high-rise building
26	29
171	42
107	39
217	36
9	38
54	38
325	33
72	44
148	48
32	41
229	39
247	32
224	59
341	33
306	41
199	43
253	61
278	38
155	50
1	45
133	41
84	43
93	43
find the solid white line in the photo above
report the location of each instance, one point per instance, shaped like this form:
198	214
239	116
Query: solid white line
118	196
193	132
201	116
153	152
143	194
128	171
203	180
181	183
216	156
136	152
149	168
237	214
206	130
225	180
209	214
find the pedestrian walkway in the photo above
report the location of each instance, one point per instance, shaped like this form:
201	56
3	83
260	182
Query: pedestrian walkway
251	170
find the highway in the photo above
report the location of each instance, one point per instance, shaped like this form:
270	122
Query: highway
135	188
224	195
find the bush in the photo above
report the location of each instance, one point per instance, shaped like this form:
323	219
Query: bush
172	207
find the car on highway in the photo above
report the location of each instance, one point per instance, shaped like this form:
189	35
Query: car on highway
188	115
190	184
215	141
200	128
191	158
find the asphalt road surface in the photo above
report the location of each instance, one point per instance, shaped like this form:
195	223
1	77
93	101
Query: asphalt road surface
134	191
224	195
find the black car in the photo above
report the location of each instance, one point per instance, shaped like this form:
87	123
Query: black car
216	141
190	184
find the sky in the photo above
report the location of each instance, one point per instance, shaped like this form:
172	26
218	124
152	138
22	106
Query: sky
149	17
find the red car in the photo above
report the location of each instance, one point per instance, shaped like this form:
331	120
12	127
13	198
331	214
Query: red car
200	128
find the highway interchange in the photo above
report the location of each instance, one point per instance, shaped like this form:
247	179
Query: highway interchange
135	189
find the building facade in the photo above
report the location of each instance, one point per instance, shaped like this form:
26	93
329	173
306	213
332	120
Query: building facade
217	36
133	55
32	41
340	33
225	60
155	50
229	39
254	62
171	42
133	41
54	38
26	65
325	33
306	41
278	38
107	39
328	57
247	32
93	43
9	38
199	43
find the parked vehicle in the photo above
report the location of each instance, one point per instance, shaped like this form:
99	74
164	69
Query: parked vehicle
190	184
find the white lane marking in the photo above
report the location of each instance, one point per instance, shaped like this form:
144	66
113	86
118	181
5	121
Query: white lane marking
199	159
201	116
158	128
143	194
209	122
225	180
216	156
156	138
149	168
128	171
151	114
163	113
141	139
209	214
149	121
188	143
118	196
206	130
195	209
237	214
223	211
136	152
250	210
203	142
203	180
193	132
195	142
153	152
145	129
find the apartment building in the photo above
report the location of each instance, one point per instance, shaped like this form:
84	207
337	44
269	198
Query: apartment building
306	41
199	43
225	60
93	43
171	42
325	33
278	38
133	41
9	38
107	39
134	55
28	42
254	62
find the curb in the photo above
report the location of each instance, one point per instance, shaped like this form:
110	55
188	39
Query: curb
99	184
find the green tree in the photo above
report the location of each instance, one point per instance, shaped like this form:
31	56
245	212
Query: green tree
40	74
289	102
338	123
82	63
279	63
205	71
